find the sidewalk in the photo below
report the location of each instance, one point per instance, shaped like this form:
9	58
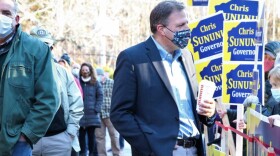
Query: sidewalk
125	152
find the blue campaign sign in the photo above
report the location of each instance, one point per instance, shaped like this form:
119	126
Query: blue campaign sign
207	36
239	37
238	82
235	9
197	2
213	72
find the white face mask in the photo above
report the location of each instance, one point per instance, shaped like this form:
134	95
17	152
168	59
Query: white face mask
76	72
6	26
276	94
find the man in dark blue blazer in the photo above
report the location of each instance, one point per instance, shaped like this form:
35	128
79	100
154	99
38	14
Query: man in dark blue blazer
155	90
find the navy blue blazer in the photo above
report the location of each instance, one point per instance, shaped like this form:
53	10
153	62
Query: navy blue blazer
143	108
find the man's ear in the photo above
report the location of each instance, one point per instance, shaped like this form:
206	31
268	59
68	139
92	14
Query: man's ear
17	19
161	29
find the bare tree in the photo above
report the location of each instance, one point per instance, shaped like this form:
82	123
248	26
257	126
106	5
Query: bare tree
96	31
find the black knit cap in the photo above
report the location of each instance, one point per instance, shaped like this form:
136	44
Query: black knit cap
66	57
273	48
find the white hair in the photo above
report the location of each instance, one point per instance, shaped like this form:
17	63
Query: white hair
277	60
275	71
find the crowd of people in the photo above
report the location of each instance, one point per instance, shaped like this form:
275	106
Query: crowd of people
88	92
49	106
56	107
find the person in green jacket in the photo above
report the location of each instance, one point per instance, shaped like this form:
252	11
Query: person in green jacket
28	91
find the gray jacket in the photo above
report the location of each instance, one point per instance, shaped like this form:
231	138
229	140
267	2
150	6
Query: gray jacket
72	102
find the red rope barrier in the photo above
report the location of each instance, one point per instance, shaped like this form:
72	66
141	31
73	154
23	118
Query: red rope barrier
261	144
222	126
250	139
264	145
271	154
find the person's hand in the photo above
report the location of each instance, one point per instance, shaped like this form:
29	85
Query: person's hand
221	113
241	124
272	118
249	100
207	108
71	136
22	138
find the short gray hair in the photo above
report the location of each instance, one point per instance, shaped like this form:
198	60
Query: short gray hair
275	71
162	11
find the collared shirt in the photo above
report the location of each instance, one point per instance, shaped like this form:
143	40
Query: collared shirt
5	47
8	40
181	90
107	95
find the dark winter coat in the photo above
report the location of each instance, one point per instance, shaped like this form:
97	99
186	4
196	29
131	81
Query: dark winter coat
271	107
93	99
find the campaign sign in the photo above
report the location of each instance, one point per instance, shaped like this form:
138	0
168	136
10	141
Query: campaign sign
260	128
235	9
197	2
237	82
211	70
239	41
207	36
214	150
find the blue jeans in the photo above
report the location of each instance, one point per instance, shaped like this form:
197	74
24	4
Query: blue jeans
22	149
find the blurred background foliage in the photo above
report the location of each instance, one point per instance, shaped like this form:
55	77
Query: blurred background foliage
95	31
